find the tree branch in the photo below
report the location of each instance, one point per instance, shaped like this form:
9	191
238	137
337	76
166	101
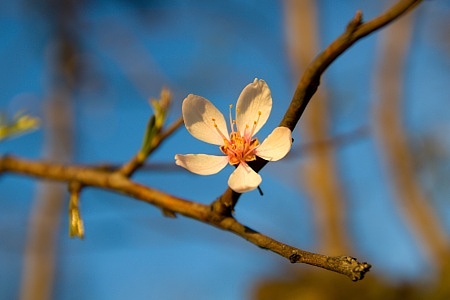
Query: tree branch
154	134
138	160
356	30
310	81
116	182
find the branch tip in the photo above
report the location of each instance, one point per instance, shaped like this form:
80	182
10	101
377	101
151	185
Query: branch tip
355	22
352	268
360	271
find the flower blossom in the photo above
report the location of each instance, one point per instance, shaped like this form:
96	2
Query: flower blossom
205	122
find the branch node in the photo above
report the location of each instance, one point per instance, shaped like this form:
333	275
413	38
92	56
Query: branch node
224	205
168	213
295	257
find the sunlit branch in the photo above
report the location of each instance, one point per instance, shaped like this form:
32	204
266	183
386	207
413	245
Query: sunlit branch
139	158
174	205
356	30
310	80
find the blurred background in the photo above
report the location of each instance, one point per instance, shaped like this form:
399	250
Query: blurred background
367	176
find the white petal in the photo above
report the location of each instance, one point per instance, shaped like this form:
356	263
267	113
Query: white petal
255	98
202	164
244	179
198	115
276	145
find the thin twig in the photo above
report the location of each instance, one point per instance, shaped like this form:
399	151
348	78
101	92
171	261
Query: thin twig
169	131
356	30
138	159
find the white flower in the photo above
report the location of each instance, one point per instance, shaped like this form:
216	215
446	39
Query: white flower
204	121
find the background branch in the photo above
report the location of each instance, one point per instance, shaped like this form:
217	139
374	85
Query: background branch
389	110
319	175
38	272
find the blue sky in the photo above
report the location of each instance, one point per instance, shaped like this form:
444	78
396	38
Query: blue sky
129	50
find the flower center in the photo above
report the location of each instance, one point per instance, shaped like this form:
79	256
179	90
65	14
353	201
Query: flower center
239	148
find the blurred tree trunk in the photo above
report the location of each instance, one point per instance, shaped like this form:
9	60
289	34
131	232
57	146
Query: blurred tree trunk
38	273
319	173
410	197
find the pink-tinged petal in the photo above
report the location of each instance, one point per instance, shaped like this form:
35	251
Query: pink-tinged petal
199	116
276	145
254	104
201	164
244	179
